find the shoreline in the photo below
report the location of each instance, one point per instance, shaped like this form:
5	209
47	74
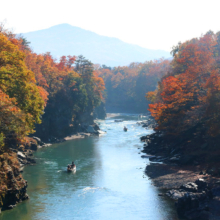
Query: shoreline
22	156
166	176
25	150
25	157
194	189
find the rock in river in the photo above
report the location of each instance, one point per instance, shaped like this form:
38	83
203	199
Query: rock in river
21	155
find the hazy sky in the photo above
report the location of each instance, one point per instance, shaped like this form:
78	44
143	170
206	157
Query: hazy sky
154	24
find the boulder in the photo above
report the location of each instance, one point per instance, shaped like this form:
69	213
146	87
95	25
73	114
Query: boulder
33	146
31	160
156	159
175	194
86	134
201	183
146	156
38	140
174	159
46	145
192	204
101	132
14	150
11	206
192	199
203	172
190	187
143	138
96	127
21	155
90	129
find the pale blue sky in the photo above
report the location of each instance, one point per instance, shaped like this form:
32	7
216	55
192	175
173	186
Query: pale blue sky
155	24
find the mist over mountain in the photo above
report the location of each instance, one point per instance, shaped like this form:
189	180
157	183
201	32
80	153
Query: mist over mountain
64	39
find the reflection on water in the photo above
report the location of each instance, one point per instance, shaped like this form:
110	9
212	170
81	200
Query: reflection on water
109	182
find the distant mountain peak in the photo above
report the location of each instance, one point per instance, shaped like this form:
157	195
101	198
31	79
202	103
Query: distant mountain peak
65	39
64	25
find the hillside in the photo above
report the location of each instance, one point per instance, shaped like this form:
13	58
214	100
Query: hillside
65	39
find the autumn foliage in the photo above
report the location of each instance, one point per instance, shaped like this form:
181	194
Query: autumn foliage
32	84
189	94
20	101
126	86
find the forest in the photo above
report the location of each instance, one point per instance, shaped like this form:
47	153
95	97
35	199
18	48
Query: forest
52	99
188	95
185	106
184	92
36	88
126	86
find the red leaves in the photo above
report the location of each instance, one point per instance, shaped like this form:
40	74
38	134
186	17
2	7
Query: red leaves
192	86
66	63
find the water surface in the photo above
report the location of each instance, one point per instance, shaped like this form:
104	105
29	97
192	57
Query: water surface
109	182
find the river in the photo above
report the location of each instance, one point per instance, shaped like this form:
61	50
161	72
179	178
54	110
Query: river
109	182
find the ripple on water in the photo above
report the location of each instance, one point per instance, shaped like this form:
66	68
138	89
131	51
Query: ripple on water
89	189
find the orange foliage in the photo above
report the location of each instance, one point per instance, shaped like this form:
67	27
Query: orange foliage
99	84
30	82
44	94
191	90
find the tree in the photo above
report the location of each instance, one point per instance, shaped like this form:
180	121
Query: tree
20	95
184	94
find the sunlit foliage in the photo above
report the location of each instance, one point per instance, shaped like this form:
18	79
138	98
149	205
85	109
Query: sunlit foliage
190	93
36	88
20	101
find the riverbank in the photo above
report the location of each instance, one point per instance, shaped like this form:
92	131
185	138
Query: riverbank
182	186
190	178
13	188
96	189
12	185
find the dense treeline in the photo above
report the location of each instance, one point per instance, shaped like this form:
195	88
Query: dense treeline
21	104
35	88
127	86
189	95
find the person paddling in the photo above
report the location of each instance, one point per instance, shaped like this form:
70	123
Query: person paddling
72	164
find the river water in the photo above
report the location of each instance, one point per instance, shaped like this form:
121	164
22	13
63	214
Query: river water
109	183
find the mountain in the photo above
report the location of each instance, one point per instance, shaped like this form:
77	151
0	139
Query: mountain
64	39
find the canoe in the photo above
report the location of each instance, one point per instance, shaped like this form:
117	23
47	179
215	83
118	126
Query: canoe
125	129
71	169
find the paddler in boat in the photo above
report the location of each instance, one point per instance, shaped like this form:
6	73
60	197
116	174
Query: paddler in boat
72	165
125	129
